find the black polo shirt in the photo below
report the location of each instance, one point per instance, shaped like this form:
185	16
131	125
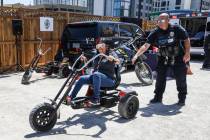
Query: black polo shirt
172	37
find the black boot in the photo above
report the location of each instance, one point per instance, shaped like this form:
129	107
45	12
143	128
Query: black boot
157	99
181	101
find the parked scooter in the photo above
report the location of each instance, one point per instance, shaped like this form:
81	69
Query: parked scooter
61	69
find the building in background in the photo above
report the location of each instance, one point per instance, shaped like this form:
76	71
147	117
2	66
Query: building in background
123	8
164	5
200	5
103	7
118	8
132	8
144	9
83	6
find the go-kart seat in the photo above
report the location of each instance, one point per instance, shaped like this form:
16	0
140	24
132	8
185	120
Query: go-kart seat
117	80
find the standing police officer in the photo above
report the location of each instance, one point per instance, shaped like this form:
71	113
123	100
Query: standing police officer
171	53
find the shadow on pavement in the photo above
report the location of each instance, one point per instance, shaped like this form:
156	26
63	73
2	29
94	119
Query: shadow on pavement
124	85
41	79
88	120
160	109
4	76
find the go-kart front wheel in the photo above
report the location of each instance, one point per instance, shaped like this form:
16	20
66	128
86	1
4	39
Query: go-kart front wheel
43	117
128	106
26	76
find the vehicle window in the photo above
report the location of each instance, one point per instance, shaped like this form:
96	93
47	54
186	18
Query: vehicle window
208	26
82	31
125	31
108	30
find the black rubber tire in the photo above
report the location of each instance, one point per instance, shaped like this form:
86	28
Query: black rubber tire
138	69
49	68
49	72
26	76
64	71
40	116
128	106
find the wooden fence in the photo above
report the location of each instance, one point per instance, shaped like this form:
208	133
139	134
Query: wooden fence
31	30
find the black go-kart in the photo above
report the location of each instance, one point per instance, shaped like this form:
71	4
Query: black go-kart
44	116
59	68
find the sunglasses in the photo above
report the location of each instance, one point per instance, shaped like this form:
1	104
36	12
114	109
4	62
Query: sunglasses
100	47
161	21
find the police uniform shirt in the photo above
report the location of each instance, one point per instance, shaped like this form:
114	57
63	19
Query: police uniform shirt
169	38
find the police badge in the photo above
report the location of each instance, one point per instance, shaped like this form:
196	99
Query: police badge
171	34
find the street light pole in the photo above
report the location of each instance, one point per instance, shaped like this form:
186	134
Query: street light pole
2	2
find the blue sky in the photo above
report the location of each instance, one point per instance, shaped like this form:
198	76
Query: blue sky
26	2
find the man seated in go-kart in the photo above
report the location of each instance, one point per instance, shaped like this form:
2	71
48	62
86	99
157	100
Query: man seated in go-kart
103	75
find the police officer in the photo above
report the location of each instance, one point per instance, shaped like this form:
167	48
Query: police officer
206	63
171	54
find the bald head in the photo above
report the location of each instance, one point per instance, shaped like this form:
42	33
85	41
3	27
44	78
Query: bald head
164	15
163	21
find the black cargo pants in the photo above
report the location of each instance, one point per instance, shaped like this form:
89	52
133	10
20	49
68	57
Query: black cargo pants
179	69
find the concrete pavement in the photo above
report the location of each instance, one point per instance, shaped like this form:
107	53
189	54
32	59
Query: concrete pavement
159	121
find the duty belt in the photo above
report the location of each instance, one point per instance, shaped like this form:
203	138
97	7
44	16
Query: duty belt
169	53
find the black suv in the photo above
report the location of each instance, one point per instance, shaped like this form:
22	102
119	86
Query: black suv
79	36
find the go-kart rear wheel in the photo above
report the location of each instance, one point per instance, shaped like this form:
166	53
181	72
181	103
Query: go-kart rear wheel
43	117
128	106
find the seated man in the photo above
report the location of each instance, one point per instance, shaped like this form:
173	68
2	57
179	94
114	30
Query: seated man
103	75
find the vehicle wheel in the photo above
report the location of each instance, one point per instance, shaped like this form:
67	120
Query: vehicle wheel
49	71
43	117
49	68
144	73
64	71
128	106
26	76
